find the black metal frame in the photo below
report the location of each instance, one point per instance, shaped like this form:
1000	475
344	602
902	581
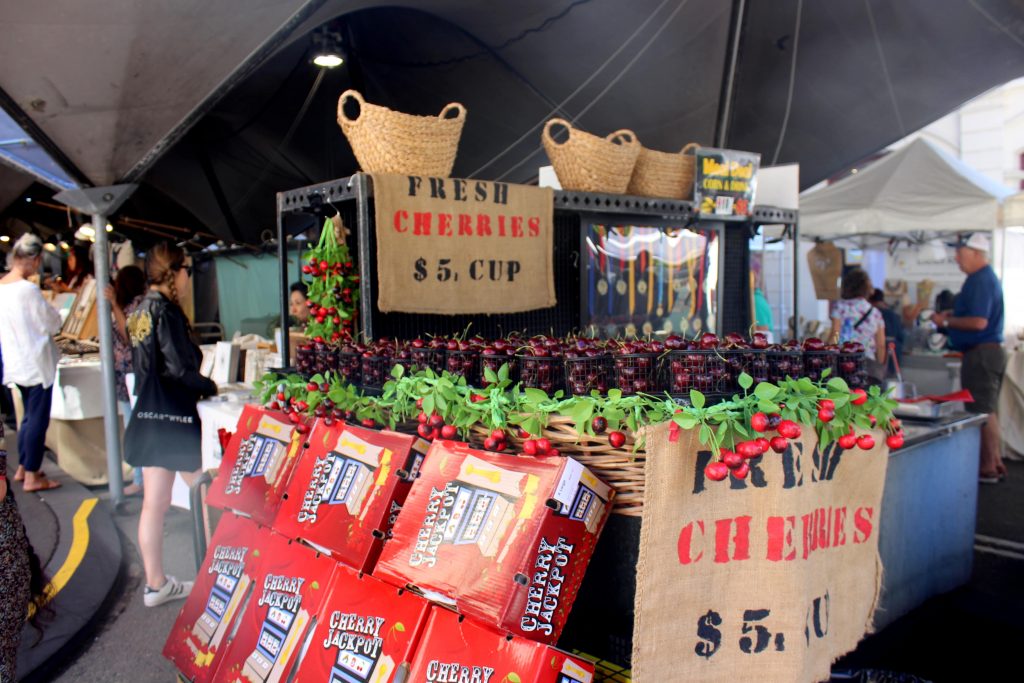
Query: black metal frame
589	205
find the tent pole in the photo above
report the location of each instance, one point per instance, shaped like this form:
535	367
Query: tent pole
102	202
282	259
111	428
739	11
796	280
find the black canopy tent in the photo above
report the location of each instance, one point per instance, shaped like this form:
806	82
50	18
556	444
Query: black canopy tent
217	106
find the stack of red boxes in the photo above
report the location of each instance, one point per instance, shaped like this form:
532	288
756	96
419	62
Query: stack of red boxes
504	540
257	465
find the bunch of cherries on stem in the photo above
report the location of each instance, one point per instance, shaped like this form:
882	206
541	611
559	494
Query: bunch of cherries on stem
735	461
296	408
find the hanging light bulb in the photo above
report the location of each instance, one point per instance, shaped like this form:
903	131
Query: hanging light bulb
328	50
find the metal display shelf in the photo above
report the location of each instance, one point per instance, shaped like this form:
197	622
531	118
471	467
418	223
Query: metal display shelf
342	189
352	197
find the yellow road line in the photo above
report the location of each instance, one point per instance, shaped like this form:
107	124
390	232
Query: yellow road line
79	544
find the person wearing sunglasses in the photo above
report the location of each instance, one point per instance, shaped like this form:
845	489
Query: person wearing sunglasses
163	435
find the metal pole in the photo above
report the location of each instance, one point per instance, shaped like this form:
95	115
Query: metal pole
366	258
796	280
282	259
112	429
725	98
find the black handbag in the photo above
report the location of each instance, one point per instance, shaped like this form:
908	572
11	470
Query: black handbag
164	430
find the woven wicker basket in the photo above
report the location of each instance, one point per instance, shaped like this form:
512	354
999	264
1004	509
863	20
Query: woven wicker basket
386	141
587	163
620	468
661	174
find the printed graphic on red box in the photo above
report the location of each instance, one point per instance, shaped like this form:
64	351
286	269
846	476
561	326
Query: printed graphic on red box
366	632
256	465
224	584
461	651
289	589
503	539
347	490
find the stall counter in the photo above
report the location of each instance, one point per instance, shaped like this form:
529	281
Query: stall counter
926	538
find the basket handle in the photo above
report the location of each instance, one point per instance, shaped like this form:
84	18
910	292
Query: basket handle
456	107
556	122
354	94
689	147
624	137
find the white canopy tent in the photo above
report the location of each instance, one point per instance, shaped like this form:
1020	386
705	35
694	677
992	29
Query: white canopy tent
918	188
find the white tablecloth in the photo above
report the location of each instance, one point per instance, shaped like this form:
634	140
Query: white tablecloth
77	390
221	411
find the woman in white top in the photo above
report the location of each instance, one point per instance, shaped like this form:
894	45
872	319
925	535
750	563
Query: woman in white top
27	325
854	319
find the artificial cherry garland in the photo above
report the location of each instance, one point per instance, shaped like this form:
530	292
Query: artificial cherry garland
333	291
767	417
734	460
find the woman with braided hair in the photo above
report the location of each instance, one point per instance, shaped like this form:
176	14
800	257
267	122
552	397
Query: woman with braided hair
163	434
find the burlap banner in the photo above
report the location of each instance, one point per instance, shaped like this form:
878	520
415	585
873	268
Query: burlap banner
768	579
453	246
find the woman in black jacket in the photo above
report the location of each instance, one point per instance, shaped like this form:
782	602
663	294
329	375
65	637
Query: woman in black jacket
163	436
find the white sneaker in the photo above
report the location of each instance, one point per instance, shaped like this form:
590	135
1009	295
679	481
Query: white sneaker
170	591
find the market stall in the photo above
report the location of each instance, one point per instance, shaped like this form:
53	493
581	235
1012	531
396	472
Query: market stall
896	216
543	381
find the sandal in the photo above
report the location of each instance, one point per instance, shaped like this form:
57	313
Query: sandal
44	485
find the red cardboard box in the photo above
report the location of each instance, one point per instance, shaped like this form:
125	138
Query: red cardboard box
347	490
256	465
366	632
222	588
290	587
458	650
503	539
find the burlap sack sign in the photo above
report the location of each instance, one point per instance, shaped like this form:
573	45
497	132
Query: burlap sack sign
769	579
452	246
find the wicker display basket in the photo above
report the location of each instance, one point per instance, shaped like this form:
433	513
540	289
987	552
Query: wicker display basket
386	141
587	163
620	468
663	174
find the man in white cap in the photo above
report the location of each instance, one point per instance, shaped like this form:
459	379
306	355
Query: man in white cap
975	327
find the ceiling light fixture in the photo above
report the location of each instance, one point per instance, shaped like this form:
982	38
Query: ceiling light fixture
110	228
328	51
5	238
50	247
87	230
